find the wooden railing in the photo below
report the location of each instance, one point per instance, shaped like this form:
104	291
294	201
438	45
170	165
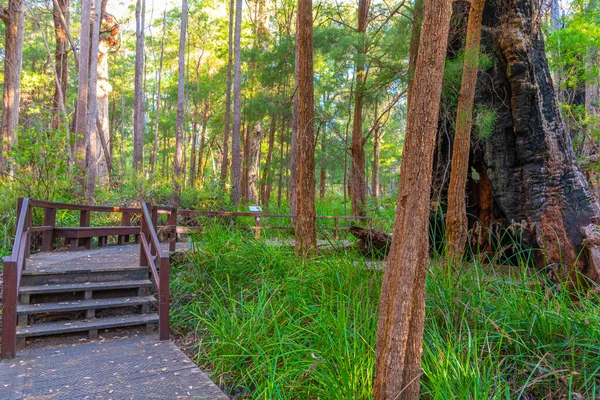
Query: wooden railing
259	217
13	268
150	253
75	237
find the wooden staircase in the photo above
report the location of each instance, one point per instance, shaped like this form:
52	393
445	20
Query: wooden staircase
86	289
74	300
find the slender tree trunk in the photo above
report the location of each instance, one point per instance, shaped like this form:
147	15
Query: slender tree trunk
323	174
254	139
236	160
180	109
81	127
402	301
205	116
13	18
158	94
281	162
245	158
226	129
195	129
60	62
306	231
375	177
456	216
92	139
358	182
109	40
138	106
294	139
267	178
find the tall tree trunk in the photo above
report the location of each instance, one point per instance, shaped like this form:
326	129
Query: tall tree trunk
358	182
13	18
205	116
246	153
236	160
226	129
138	106
267	178
281	162
109	41
375	177
456	216
60	62
157	106
180	109
323	173
402	301
195	129
254	139
93	139
81	127
294	139
306	231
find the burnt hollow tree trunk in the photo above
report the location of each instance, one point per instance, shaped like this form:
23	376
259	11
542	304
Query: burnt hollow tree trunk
534	179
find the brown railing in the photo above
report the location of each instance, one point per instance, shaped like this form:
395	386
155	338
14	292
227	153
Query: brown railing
75	237
258	218
150	253
13	268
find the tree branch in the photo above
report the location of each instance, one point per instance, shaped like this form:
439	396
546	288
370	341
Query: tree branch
4	14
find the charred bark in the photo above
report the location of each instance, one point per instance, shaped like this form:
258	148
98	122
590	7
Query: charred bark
534	178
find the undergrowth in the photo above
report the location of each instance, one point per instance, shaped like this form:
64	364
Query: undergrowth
271	326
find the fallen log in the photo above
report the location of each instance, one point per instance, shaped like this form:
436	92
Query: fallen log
371	241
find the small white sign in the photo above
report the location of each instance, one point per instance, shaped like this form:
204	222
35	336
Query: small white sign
255	209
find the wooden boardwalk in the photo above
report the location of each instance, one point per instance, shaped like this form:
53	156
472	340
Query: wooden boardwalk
133	368
70	366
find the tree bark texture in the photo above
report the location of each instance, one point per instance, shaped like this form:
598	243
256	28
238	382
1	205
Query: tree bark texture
294	139
236	157
92	139
254	138
456	216
138	102
306	232
536	184
60	61
402	301
358	181
180	109
81	128
226	128
109	43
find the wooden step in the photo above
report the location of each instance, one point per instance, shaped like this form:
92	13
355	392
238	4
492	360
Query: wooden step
81	287
54	328
78	305
54	276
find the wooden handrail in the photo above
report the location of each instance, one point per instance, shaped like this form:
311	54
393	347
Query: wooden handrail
160	274
13	268
82	207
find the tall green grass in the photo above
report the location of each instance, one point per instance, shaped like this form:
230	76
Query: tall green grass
272	326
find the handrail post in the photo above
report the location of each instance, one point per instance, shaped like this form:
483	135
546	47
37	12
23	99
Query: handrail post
154	223
335	230
125	221
48	236
163	307
257	227
9	311
28	223
172	229
84	221
143	229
